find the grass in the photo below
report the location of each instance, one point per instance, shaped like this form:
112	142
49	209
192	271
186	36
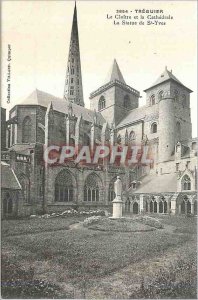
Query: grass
82	258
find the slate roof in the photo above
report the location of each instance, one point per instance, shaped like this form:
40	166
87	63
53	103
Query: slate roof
8	178
44	99
164	183
137	114
115	73
166	75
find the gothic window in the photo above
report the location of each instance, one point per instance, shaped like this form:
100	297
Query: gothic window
119	139
7	205
132	136
86	140
126	101
186	183
160	95
178	131
91	189
176	95
64	189
101	103
152	100
72	71
154	128
184	101
26	130
72	80
111	191
71	92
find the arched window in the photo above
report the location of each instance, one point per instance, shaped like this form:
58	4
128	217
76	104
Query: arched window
101	103
111	190
154	128
178	131
64	188
126	101
7	205
186	183
152	100
26	130
176	95
131	136
86	140
119	139
91	188
160	95
184	100
25	184
135	208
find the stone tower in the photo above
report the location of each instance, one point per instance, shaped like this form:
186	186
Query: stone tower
115	98
73	90
173	100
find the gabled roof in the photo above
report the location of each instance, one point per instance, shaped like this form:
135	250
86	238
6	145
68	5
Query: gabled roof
115	73
165	76
8	178
165	183
44	99
138	114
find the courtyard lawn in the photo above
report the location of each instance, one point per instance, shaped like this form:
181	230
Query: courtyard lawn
82	262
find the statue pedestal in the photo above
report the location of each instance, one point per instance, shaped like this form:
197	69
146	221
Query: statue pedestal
117	208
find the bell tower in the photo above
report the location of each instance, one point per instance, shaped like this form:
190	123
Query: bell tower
73	91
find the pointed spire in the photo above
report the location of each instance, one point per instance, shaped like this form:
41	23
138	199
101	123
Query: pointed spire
73	90
115	73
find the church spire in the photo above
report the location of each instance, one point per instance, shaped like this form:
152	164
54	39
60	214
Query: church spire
73	90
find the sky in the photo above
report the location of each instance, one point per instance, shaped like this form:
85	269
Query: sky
39	35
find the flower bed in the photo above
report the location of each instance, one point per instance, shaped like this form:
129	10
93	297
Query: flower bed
120	225
152	222
71	212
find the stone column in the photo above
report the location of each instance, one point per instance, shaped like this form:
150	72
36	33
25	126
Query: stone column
117	202
192	209
142	205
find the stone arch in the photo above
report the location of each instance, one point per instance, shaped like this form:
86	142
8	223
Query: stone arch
146	205
188	207
26	130
165	206
151	206
101	103
92	188
65	187
183	207
161	207
155	206
135	208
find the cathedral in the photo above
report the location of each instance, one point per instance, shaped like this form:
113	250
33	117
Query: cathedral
167	185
